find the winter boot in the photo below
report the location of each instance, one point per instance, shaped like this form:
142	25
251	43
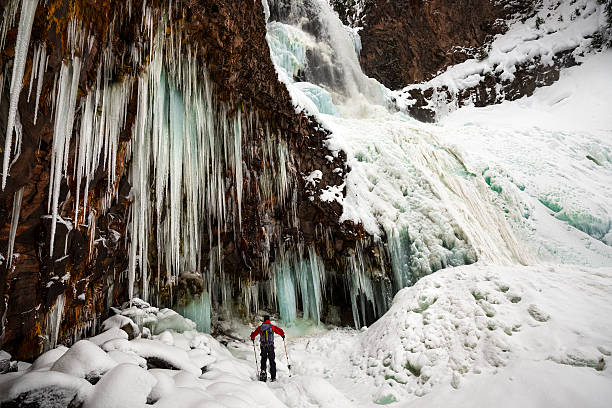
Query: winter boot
263	376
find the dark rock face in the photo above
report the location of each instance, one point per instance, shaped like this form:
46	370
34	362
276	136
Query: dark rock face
90	275
410	41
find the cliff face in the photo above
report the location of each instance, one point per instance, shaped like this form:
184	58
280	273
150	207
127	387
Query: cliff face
57	298
410	41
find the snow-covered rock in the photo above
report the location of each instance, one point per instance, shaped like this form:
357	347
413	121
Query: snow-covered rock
84	360
125	386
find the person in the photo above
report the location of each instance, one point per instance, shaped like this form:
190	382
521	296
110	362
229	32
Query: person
266	340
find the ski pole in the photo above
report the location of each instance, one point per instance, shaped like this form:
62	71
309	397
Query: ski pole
255	352
287	355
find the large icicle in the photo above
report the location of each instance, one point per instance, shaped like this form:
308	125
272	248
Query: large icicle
28	10
64	119
14	222
140	218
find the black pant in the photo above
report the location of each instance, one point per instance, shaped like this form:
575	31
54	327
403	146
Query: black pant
267	352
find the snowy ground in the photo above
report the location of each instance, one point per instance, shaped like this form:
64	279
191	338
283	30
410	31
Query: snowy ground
539	336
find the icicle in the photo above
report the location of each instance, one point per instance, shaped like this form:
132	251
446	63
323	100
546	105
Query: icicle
40	73
54	320
14	222
33	73
238	163
8	18
140	218
28	9
64	118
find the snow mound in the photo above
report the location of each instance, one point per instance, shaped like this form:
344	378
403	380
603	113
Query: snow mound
84	360
126	385
46	360
110	334
468	321
156	353
30	382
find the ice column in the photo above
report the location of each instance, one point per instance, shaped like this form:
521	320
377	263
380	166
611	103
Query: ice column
285	292
399	248
198	310
311	276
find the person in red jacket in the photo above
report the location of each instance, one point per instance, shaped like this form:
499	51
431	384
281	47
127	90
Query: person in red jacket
266	340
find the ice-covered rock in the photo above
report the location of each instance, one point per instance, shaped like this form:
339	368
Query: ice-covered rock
5	362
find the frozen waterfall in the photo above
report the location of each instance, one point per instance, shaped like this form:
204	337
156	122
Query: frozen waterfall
416	195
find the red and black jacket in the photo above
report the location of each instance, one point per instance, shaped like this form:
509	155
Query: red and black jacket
266	329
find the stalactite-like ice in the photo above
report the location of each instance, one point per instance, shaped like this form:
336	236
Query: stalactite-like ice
185	144
299	276
398	243
363	288
8	18
28	9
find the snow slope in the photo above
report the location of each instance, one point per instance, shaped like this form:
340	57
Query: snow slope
550	155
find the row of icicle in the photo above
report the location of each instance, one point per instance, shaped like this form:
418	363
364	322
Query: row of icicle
184	143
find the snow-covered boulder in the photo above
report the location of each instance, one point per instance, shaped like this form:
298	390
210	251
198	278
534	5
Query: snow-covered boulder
125	386
84	360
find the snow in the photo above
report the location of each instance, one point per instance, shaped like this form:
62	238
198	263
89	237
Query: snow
46	360
551	161
150	349
147	316
540	335
476	320
35	380
84	359
110	334
579	101
126	385
119	321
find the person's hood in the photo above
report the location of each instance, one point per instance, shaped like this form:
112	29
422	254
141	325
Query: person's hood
267	321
